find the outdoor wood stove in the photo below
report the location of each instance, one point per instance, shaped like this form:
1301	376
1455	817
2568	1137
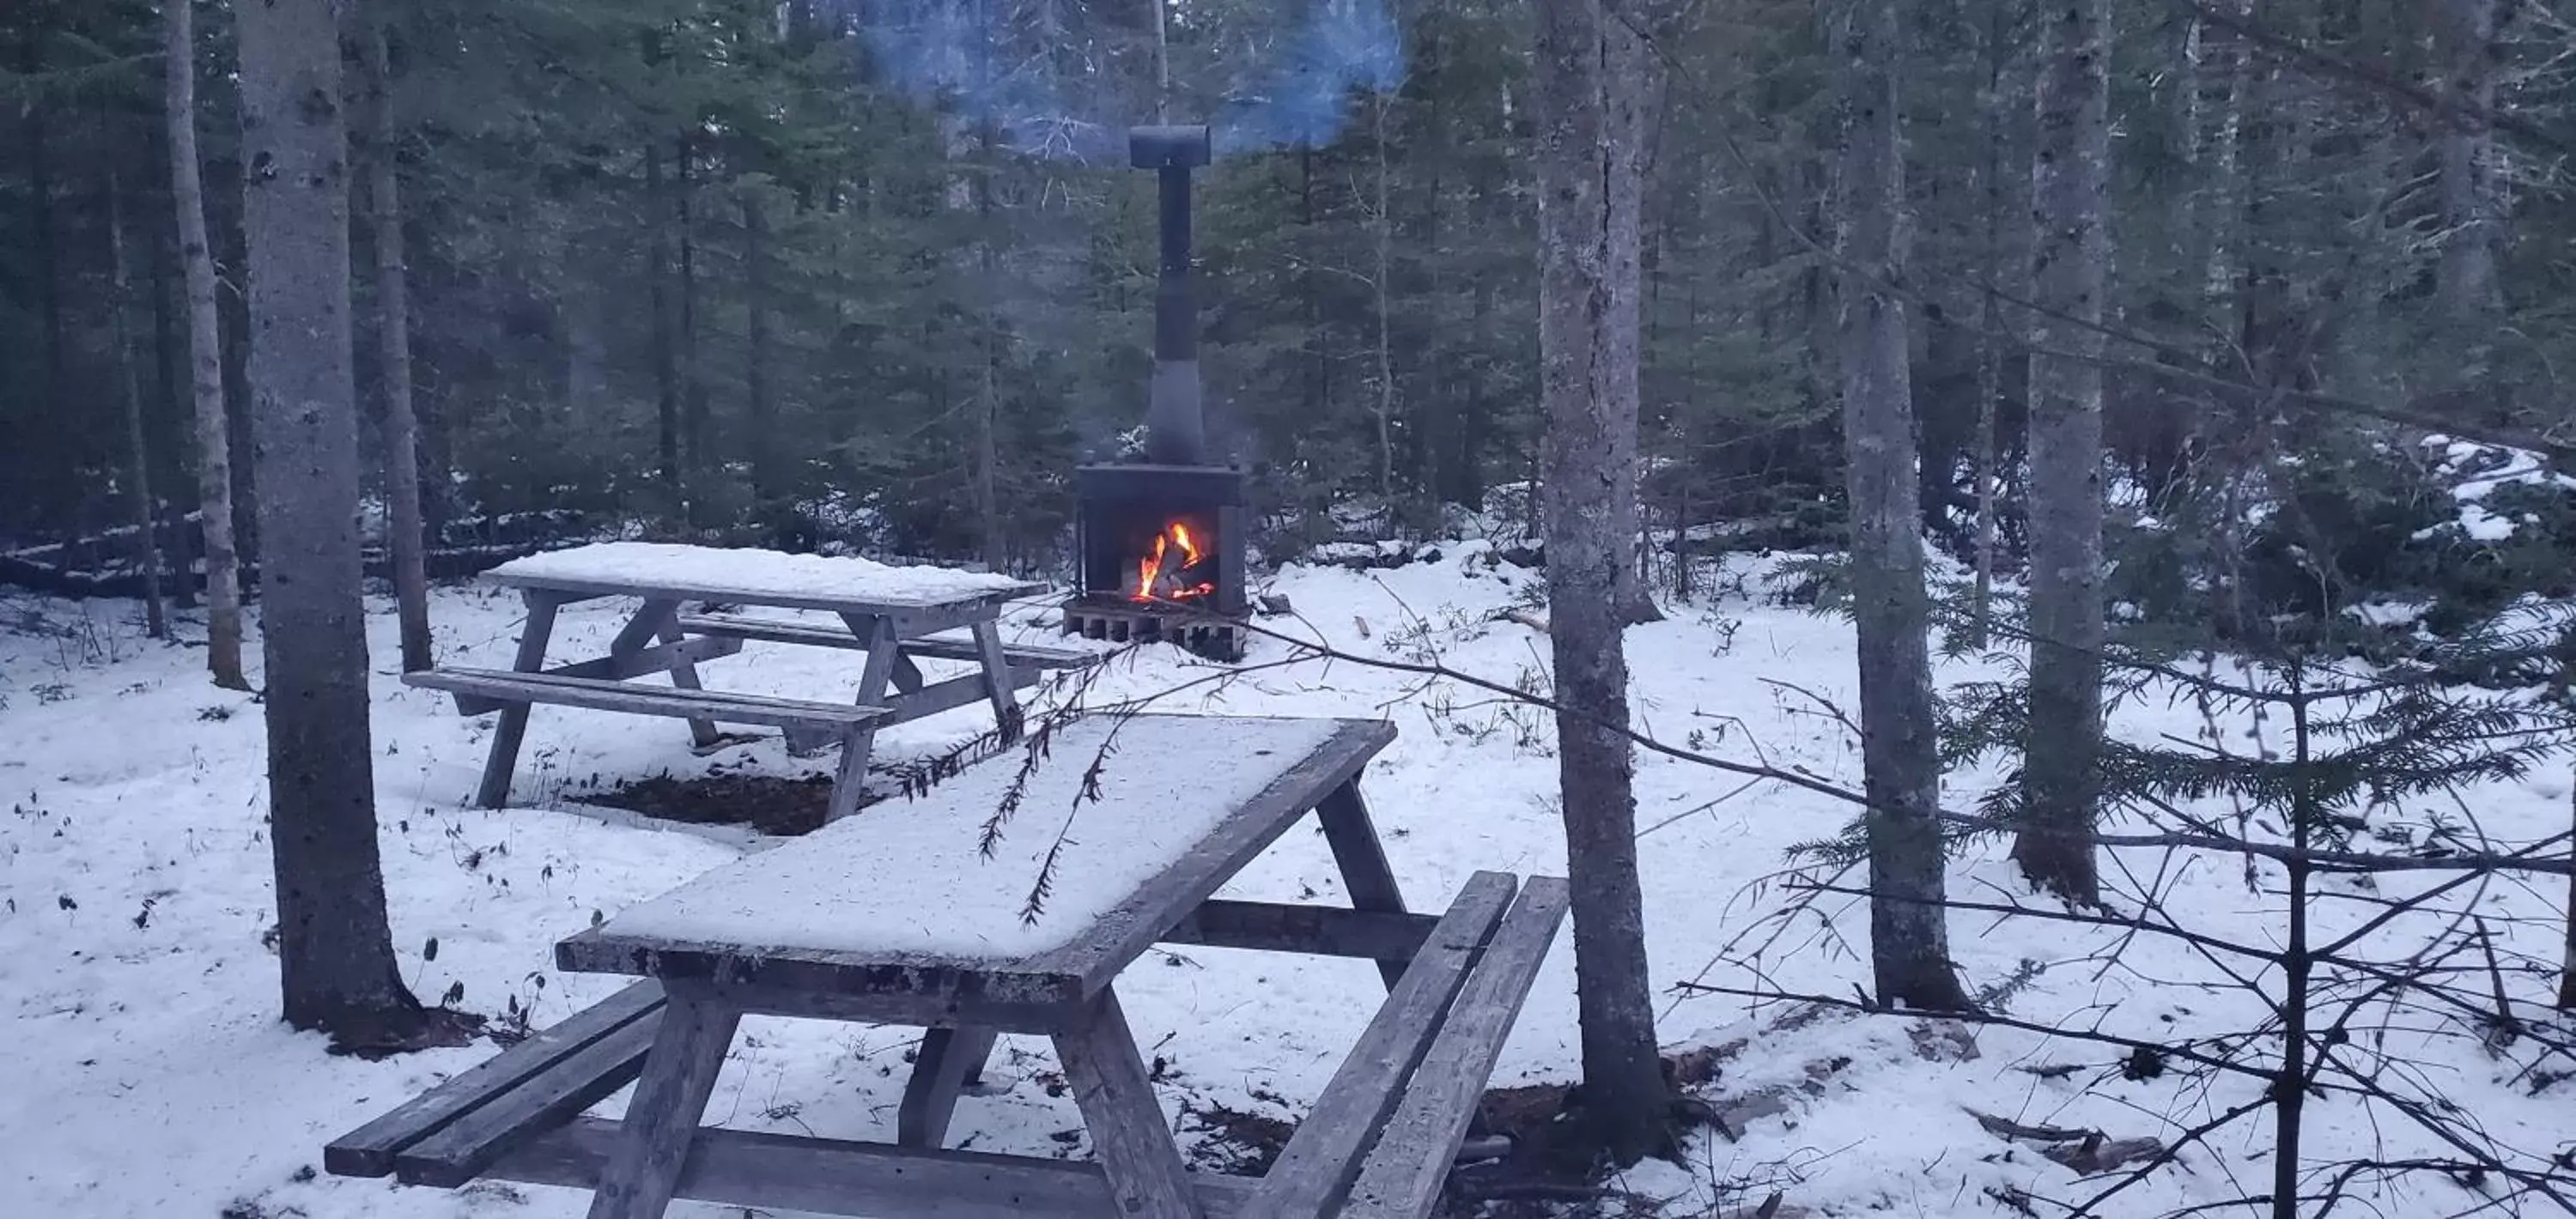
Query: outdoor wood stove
1162	541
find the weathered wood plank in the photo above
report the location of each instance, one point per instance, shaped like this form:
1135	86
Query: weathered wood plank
689	590
939	1072
937	647
662	1117
452	1155
369	1150
998	685
1128	1134
1323	1156
494	791
521	689
1362	859
1086	961
948	695
657	659
1402	1176
1123	933
780	1172
684	675
860	739
1327	931
778	988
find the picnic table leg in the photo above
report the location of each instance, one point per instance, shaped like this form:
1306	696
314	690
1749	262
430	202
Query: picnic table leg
1362	859
860	740
949	1058
665	619
513	728
997	679
662	1120
1128	1133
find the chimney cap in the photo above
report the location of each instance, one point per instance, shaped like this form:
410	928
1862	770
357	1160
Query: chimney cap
1168	147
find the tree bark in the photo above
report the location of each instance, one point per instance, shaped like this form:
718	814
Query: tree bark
1900	760
138	447
205	353
2072	253
43	398
404	538
2464	34
756	302
1587	354
666	344
2567	963
1629	74
693	382
335	953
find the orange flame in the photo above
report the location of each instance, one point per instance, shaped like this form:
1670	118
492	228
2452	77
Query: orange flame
1150	570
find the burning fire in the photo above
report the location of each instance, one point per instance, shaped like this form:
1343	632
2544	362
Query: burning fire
1157	581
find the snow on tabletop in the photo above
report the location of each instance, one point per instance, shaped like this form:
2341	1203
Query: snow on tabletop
754	573
906	876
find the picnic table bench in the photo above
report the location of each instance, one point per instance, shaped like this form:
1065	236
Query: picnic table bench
823	928
893	614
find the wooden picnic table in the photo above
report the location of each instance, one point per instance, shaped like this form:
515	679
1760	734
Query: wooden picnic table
895	615
822	928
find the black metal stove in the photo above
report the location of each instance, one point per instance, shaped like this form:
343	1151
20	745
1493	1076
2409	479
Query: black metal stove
1163	541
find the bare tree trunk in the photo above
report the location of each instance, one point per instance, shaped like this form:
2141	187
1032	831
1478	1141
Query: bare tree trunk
1629	74
2472	204
2071	249
1384	411
1909	935
2003	72
693	382
756	302
404	537
205	353
334	951
988	388
666	341
1586	364
138	448
2567	963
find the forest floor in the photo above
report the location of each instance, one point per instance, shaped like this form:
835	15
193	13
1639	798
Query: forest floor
149	1076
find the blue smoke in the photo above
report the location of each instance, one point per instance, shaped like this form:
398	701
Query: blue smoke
956	53
953	52
1302	100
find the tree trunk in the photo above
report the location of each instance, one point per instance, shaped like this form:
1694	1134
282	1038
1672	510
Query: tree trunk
393	335
1629	73
693	382
335	953
43	398
2007	105
2472	204
1587	354
205	354
2071	250
170	442
1909	935
986	440
1383	289
756	303
138	448
2567	963
666	342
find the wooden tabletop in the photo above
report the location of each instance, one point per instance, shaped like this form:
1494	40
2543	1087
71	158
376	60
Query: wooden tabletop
755	577
933	895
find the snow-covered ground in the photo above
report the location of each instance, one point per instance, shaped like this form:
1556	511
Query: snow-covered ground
148	1076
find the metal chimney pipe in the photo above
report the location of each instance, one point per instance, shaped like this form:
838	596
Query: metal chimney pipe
1175	428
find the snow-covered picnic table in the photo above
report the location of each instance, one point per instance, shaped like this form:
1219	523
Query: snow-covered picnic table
893	614
1165	811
